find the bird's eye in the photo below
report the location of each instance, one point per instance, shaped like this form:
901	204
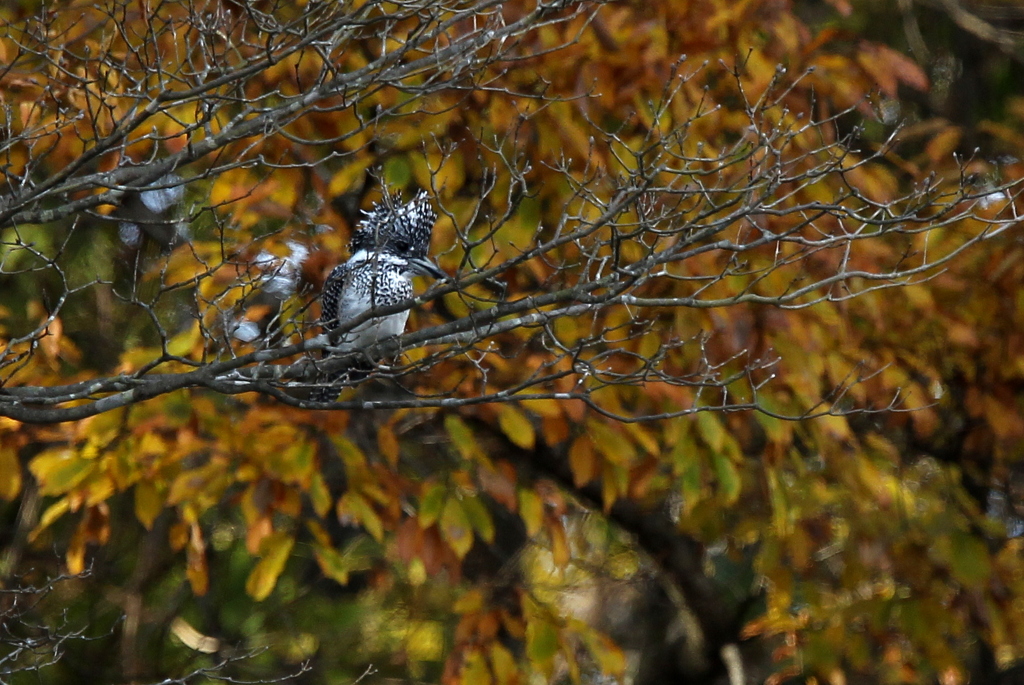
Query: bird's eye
402	246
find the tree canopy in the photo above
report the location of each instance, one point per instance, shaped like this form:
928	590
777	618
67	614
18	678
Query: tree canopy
724	383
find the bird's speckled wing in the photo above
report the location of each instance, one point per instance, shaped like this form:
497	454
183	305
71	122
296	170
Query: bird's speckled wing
356	287
330	299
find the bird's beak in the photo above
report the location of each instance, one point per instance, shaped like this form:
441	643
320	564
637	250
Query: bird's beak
425	267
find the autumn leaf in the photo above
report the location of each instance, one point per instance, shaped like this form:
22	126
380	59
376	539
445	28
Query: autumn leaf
10	473
274	552
516	427
531	509
149	503
456	528
541	644
431	505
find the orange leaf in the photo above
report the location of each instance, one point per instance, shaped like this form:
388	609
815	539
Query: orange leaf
582	461
196	571
387	443
560	552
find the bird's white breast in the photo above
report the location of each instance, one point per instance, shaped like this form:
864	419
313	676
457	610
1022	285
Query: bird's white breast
371	282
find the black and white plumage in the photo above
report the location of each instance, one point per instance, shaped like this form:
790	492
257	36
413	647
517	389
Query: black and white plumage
387	250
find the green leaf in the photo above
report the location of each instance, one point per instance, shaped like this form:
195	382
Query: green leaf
397	172
294	464
711	430
338	565
479	518
431	505
969	559
728	477
332	564
691	473
541	643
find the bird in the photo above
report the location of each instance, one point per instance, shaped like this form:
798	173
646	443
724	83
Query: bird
387	250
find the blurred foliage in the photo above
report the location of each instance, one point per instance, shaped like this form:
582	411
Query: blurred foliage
876	547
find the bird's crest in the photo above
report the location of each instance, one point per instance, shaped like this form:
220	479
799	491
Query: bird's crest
396	228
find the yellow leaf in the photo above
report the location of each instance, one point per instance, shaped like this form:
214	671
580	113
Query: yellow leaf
548	408
451	175
455	527
148	503
59	470
516	427
319	495
183	343
10	473
531	510
503	664
275	550
425	641
354	506
351	172
75	557
319	533
607	654
615	446
52	513
397	172
470	602
150	445
387	443
643	437
349	453
474	670
462	438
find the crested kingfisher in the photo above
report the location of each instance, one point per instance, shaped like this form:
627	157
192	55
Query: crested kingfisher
387	249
